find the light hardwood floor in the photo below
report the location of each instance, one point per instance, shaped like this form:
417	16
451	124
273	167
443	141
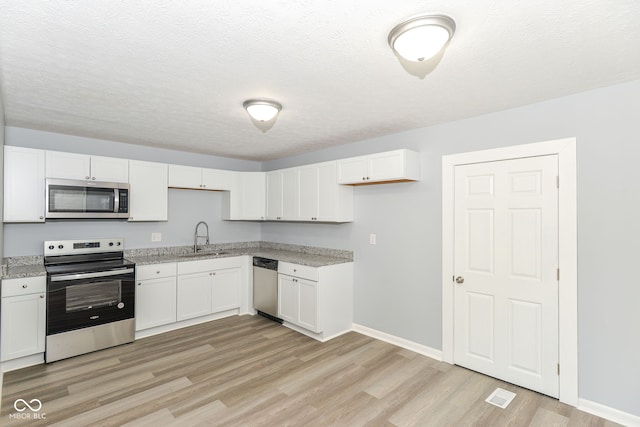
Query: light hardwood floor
249	371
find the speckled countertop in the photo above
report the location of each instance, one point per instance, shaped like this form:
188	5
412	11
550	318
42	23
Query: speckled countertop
32	266
303	255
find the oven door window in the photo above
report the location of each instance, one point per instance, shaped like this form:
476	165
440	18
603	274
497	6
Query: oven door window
93	295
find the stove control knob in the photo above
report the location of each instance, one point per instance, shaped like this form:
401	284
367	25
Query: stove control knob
51	247
110	243
60	246
118	243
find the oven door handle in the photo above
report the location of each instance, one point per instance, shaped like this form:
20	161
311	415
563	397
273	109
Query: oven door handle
91	275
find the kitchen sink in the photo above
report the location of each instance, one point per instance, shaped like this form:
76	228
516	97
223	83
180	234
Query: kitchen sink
202	254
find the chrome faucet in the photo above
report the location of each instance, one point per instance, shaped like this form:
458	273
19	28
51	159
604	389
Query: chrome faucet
196	236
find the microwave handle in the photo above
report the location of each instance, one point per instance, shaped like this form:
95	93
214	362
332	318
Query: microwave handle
116	202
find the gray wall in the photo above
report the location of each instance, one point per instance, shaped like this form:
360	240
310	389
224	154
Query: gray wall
26	239
397	281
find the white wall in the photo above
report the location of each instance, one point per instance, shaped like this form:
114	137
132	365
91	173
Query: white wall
186	207
397	282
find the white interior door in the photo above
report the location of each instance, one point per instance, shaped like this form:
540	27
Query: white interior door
506	263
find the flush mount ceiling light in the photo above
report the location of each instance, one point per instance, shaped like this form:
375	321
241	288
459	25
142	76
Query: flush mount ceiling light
420	38
262	110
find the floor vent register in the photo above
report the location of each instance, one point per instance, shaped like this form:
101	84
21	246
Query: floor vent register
500	398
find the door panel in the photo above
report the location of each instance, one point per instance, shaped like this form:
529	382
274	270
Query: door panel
506	255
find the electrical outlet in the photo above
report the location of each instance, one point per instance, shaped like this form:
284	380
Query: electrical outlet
372	239
156	237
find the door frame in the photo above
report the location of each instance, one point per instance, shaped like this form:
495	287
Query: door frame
565	149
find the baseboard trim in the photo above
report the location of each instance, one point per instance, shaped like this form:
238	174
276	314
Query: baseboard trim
609	413
400	342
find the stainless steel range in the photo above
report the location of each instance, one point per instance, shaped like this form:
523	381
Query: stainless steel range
90	296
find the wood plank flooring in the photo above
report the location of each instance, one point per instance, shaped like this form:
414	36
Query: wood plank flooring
249	371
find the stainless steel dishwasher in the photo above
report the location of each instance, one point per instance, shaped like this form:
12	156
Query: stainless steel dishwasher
265	287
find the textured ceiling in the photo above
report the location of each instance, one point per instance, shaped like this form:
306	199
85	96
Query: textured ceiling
174	74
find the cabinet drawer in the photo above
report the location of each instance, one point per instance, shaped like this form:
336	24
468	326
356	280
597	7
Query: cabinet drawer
154	271
28	285
302	271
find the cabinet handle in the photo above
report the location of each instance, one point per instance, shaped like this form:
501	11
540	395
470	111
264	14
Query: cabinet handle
42	296
367	178
364	178
139	284
93	178
41	217
87	177
158	272
25	286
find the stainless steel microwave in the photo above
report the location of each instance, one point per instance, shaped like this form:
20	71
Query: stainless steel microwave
77	199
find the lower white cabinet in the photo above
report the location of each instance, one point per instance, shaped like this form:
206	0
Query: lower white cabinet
155	295
316	301
23	317
208	286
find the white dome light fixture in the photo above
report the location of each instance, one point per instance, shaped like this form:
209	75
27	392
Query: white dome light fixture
420	38
262	110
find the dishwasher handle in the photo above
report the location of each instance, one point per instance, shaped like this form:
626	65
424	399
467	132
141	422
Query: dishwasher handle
269	264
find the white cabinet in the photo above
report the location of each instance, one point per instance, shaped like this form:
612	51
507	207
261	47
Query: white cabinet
208	286
148	192
155	295
23	317
247	198
391	166
199	178
316	301
84	167
274	195
308	193
24	191
194	295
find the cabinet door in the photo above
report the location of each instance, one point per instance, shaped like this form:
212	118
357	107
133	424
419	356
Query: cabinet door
253	194
328	190
215	179
225	293
23	326
109	169
274	195
288	298
308	304
24	191
148	192
290	194
352	170
308	193
193	295
68	165
386	166
185	177
155	302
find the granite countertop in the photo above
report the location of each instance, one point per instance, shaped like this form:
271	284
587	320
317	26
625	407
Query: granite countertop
312	260
32	266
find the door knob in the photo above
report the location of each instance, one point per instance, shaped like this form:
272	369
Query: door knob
459	279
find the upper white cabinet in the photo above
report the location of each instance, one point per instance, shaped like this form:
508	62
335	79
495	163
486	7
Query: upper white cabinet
391	166
274	195
24	192
199	178
84	167
247	198
308	193
148	191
